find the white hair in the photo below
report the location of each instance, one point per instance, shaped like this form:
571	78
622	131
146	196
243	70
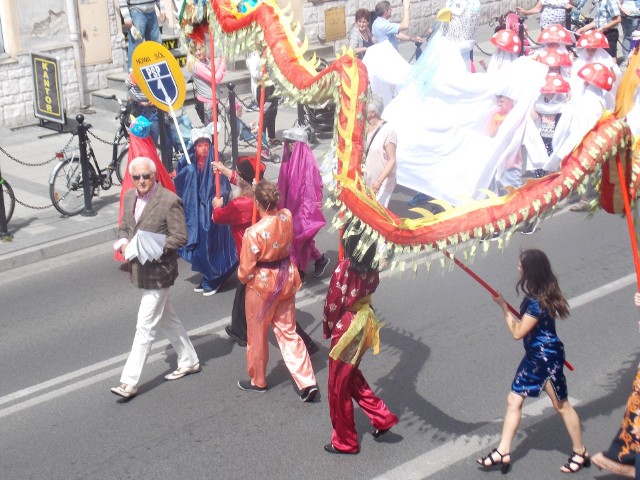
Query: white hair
140	161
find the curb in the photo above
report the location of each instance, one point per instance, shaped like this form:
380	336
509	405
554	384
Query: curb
44	251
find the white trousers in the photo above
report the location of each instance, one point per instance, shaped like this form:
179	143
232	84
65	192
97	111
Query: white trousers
156	312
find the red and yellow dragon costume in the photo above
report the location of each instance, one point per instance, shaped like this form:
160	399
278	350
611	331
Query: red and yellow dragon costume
267	27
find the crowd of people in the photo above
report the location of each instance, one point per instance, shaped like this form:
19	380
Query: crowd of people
516	120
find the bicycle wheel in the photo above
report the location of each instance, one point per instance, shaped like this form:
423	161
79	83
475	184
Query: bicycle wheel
66	187
121	164
9	199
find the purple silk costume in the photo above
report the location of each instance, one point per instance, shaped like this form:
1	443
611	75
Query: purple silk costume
300	186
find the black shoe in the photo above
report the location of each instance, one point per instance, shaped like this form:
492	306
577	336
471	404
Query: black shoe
247	386
312	348
309	393
331	449
302	275
234	336
377	432
320	266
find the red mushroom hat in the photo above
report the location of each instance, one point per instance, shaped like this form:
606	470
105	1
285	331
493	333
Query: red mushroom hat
555	84
593	39
555	34
553	57
507	40
597	74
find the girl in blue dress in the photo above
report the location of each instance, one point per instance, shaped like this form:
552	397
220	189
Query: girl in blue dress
542	366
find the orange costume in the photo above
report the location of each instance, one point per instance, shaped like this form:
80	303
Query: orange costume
272	282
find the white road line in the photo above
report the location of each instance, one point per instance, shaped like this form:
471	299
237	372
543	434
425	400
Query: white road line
306	297
464	446
215	328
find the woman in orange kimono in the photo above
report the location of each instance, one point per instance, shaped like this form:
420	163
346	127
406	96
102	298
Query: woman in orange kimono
272	282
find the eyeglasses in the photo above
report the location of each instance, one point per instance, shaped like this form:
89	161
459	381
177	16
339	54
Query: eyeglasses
146	176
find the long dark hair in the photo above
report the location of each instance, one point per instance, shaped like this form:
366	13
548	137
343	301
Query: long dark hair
539	281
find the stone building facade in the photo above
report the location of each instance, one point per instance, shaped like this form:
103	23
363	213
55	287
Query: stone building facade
65	29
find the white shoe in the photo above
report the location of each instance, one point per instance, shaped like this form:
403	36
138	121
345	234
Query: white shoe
125	391
182	372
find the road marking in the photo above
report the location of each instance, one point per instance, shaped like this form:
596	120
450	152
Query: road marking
465	446
215	328
306	297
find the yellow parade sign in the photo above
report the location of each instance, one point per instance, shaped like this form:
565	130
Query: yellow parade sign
158	75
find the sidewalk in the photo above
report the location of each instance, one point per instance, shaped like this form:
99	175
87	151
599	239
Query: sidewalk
44	233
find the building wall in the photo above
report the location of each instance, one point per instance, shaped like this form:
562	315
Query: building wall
422	14
44	27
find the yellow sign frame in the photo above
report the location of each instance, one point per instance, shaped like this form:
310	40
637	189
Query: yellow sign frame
149	54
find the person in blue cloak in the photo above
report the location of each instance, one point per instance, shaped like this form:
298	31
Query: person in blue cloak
210	247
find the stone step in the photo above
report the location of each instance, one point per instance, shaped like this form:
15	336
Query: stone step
322	51
103	98
239	76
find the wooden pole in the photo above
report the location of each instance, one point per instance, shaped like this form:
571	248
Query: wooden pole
627	212
259	147
490	290
214	110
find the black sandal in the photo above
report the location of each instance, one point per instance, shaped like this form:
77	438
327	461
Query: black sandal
574	464
504	466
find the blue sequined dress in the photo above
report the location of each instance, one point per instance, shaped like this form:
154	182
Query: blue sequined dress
544	355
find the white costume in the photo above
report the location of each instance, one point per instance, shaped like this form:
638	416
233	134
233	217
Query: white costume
442	115
586	107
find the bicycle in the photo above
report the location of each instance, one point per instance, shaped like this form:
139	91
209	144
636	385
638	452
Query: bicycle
8	197
66	187
121	133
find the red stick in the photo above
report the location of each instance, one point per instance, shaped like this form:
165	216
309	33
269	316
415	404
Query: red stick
627	212
214	109
259	147
490	290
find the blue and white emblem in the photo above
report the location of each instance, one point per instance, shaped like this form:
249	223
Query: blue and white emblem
161	82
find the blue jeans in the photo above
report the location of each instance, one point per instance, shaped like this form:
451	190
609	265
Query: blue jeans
147	24
629	25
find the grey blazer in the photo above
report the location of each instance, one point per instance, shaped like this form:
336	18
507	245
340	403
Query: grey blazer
164	213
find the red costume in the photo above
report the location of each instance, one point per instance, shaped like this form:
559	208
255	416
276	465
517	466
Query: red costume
238	214
353	327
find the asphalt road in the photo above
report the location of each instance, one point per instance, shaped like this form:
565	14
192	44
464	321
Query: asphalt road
445	367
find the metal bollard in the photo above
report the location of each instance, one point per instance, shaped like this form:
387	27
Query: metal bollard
84	165
233	121
521	35
165	149
4	232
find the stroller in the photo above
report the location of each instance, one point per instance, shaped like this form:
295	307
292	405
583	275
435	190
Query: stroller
246	137
317	119
245	134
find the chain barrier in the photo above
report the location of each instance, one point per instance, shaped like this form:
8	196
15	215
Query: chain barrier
11	157
54	158
482	51
107	142
32	207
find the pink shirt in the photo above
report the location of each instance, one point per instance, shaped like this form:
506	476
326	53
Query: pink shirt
141	201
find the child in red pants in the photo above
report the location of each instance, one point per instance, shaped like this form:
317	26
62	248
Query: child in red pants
351	324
